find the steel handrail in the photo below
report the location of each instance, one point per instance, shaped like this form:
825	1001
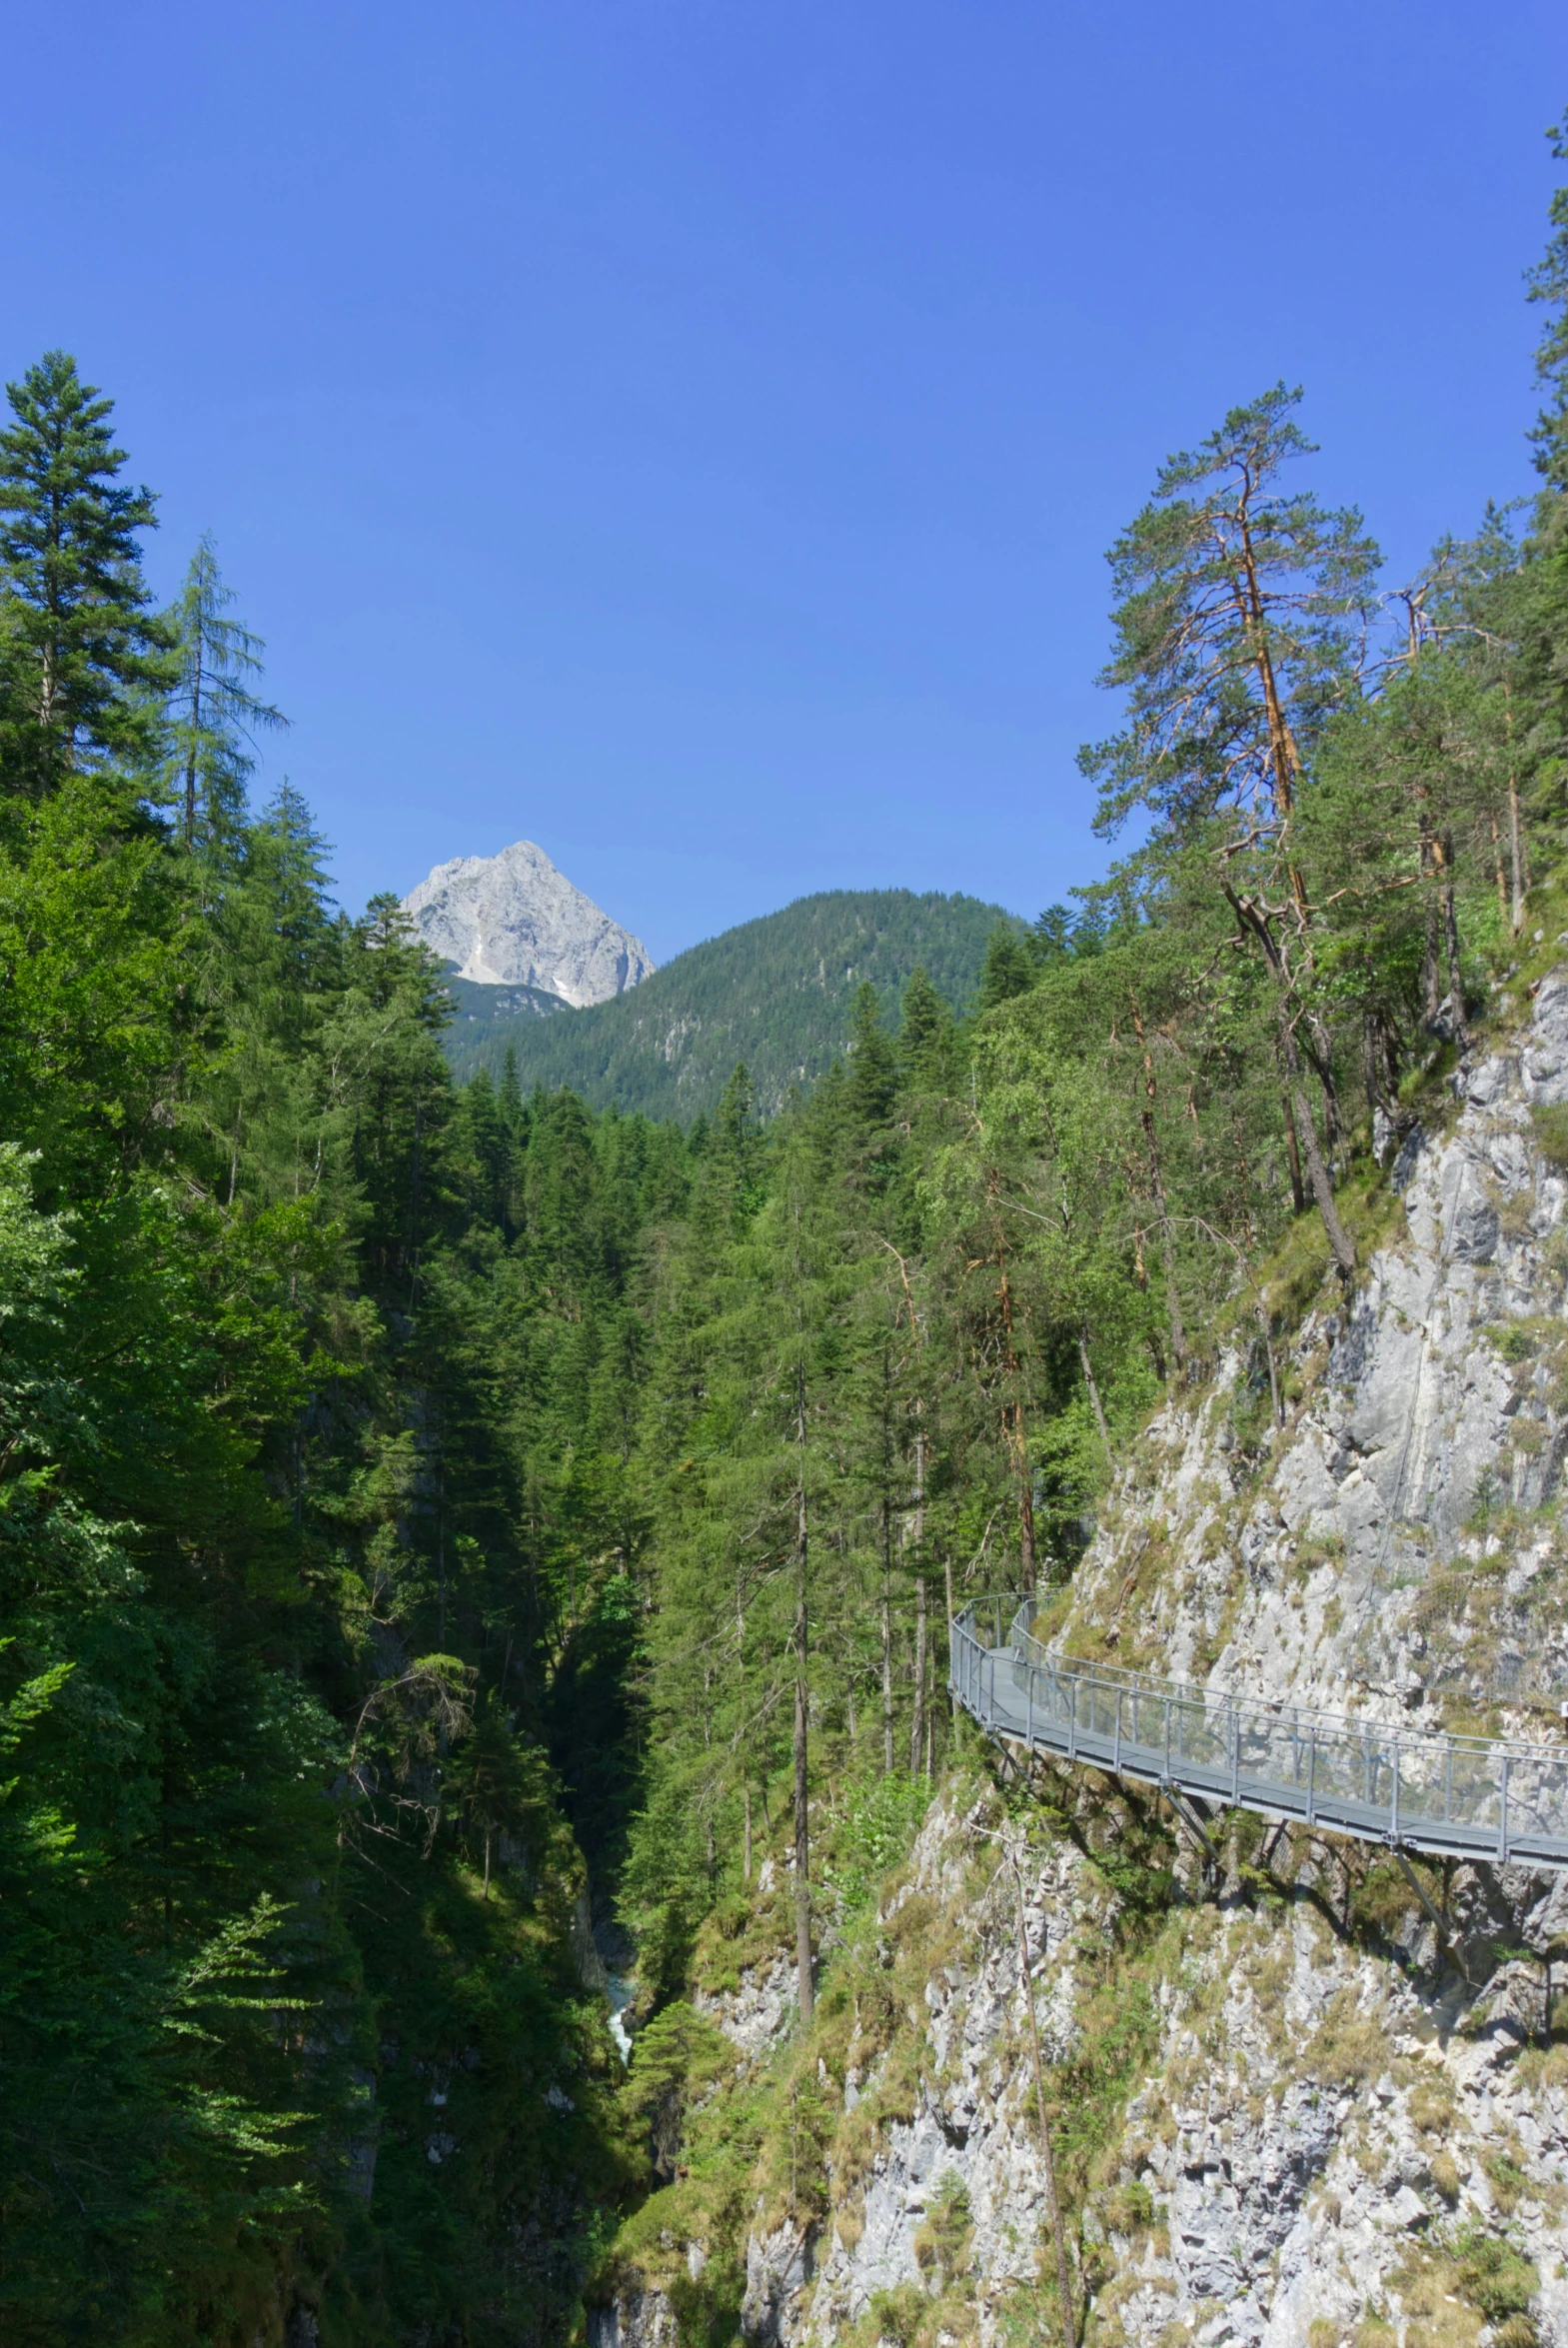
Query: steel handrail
1480	1797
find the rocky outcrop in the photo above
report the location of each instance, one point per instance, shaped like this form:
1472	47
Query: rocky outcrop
512	920
754	2015
1316	2130
1392	1543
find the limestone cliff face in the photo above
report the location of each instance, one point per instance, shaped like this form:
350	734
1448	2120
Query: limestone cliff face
1300	2130
1288	2112
1395	1546
513	919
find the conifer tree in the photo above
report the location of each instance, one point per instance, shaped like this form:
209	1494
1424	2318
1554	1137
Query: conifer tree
1548	283
1236	644
85	657
1008	970
873	1064
924	1031
214	714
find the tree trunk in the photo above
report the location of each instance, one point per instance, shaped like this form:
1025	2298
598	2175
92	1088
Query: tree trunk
946	1566
1178	1334
803	1846
440	1556
1088	1379
1379	1067
1431	970
1167	1254
1455	974
1515	846
1339	1241
1013	1429
1141	1276
1013	1426
1256	922
1293	1154
922	1694
740	1671
190	763
918	1724
886	1635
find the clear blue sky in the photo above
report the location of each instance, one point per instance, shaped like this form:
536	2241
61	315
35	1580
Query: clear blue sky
685	433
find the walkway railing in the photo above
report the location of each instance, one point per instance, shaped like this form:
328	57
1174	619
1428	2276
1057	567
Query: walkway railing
1473	1796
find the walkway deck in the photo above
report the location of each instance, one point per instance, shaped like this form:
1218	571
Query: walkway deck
1470	1796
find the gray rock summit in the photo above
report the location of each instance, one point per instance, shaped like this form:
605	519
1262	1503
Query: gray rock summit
512	920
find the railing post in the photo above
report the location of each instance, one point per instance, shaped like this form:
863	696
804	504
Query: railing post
1236	1758
1119	1732
1028	1705
1311	1800
1393	1822
1072	1719
1502	1829
1167	1739
1448	1785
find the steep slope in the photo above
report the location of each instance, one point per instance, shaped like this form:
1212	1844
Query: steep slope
1280	2115
1313	2095
513	919
774	993
1396	1543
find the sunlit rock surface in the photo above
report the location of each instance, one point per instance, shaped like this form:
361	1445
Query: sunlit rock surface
512	920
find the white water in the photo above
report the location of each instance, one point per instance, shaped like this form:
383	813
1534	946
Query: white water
621	1990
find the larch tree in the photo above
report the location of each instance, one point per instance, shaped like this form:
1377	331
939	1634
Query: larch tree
214	714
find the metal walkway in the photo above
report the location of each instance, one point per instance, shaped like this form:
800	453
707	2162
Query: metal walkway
1472	1797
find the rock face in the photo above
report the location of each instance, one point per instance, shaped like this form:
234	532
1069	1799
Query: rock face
1317	2137
512	920
1317	2129
1401	1543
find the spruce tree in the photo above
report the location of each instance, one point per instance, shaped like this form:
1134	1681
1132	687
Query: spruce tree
873	1064
85	656
925	1032
1008	970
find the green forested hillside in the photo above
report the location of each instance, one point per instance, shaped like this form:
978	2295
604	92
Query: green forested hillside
436	1515
774	993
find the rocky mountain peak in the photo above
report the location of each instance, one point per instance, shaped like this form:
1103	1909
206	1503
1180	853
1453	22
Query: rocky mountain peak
513	919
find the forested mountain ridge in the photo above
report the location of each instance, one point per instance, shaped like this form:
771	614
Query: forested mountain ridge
436	1516
777	994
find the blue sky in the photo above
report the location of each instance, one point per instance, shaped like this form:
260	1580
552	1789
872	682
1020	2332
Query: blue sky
685	433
